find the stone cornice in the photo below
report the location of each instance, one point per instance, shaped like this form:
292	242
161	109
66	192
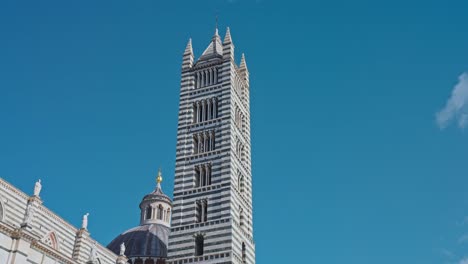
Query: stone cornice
37	244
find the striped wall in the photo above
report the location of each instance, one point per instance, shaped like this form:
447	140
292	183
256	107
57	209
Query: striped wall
30	244
223	233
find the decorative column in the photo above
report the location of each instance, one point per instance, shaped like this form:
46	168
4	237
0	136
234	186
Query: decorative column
200	143
202	176
212	76
215	75
212	138
203	110
202	218
215	107
207	174
202	83
198	111
208	103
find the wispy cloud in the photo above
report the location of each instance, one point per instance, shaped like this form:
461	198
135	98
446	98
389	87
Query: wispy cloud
463	239
463	261
456	106
448	254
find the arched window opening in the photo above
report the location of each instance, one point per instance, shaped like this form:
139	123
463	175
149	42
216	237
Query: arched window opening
199	241
160	212
205	211
244	255
241	218
197	176
241	183
205	110
195	119
202	175
198	211
149	211
168	215
201	211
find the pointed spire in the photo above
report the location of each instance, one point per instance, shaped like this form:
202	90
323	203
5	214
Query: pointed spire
216	39
216	27
187	62
188	48
227	38
243	64
214	48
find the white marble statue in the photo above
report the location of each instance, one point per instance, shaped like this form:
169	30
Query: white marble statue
28	215
93	253
37	188
84	223
122	249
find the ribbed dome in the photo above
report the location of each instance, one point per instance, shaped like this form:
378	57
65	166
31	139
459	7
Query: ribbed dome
145	240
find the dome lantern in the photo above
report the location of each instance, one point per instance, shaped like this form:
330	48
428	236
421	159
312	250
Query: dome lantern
149	239
156	207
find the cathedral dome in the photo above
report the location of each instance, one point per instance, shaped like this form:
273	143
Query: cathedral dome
143	241
150	238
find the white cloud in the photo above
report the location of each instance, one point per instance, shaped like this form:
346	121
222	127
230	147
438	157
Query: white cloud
463	261
456	106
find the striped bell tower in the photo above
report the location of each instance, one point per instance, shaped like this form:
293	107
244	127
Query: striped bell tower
212	207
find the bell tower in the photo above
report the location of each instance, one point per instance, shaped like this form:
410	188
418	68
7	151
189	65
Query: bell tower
212	207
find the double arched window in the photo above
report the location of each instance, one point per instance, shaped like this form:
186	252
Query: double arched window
202	175
201	211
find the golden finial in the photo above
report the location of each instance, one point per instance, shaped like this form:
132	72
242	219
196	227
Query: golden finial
159	178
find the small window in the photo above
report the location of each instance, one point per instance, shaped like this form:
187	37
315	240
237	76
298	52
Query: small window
148	212
243	252
198	212
168	215
160	212
199	241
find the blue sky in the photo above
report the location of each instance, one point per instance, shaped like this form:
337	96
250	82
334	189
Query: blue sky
359	108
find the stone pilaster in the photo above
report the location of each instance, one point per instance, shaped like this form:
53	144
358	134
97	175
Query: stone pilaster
78	249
